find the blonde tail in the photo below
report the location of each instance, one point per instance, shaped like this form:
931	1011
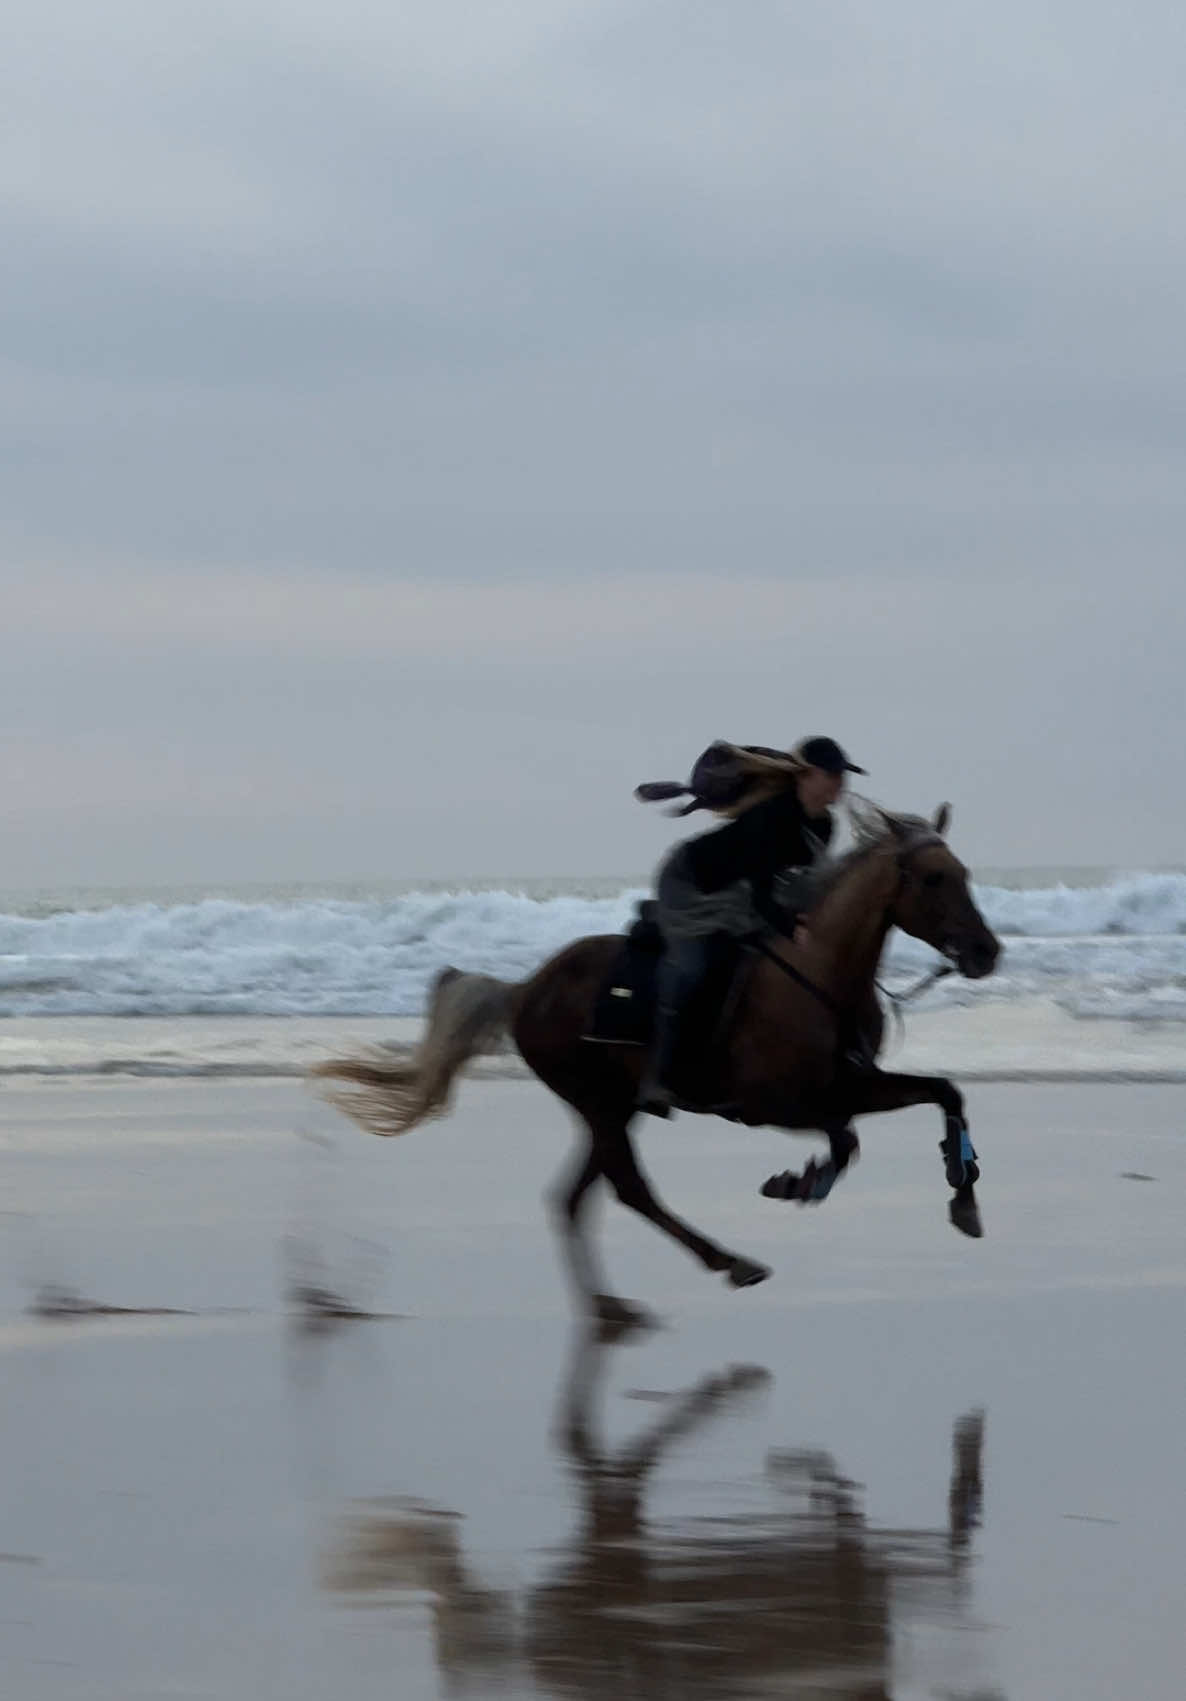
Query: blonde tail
387	1095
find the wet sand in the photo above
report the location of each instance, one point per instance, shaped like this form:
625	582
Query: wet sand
909	1465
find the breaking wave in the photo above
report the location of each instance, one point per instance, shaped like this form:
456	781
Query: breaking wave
1115	949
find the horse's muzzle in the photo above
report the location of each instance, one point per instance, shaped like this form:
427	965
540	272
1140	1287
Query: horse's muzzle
976	958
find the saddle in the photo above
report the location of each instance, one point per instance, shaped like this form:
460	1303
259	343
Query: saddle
624	1011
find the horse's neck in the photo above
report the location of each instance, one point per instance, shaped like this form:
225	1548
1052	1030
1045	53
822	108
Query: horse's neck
850	925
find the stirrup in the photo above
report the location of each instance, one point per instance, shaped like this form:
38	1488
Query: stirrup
655	1100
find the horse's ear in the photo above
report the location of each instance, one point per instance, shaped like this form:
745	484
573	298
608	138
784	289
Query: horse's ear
942	819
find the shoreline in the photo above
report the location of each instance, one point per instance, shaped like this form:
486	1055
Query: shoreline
512	1069
1027	1042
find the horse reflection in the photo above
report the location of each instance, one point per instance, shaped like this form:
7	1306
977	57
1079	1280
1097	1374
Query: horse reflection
403	1545
801	1596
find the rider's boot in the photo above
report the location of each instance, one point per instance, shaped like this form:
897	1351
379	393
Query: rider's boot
679	976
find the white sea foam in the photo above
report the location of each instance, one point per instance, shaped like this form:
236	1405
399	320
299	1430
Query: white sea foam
220	957
1119	947
1114	952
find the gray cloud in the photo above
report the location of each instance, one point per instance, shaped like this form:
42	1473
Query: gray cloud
582	380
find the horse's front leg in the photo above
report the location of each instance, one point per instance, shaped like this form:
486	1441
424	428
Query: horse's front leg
872	1091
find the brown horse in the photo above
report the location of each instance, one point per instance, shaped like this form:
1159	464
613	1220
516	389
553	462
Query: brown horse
798	1052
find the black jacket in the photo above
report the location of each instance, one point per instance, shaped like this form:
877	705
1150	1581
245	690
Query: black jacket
759	845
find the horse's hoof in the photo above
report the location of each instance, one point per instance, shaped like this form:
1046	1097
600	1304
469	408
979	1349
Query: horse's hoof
965	1216
620	1314
746	1273
784	1186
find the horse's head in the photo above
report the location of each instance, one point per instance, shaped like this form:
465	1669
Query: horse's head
933	901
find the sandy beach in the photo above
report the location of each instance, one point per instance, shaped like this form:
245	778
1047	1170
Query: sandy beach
908	1466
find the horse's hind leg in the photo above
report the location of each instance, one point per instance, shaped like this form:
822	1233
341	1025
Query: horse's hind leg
568	1200
621	1169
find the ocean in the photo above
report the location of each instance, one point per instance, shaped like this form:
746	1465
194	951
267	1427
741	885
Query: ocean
258	980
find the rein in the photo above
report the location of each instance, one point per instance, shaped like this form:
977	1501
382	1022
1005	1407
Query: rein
927	980
760	946
897	999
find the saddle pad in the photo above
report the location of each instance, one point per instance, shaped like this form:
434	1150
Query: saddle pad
624	1013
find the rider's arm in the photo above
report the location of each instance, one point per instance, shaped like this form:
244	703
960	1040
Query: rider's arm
761	841
783	845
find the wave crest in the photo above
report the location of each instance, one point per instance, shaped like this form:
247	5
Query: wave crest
1118	947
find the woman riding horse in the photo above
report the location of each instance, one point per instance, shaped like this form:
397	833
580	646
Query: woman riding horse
782	1056
723	882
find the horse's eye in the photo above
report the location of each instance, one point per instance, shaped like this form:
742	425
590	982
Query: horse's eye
932	880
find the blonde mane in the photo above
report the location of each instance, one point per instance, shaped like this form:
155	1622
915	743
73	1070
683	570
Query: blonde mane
873	830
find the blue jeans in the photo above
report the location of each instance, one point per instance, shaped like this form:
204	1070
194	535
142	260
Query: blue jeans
683	967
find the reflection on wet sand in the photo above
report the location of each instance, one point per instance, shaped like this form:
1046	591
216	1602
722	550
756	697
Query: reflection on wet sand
801	1597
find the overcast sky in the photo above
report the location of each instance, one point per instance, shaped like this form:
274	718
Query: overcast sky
422	421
